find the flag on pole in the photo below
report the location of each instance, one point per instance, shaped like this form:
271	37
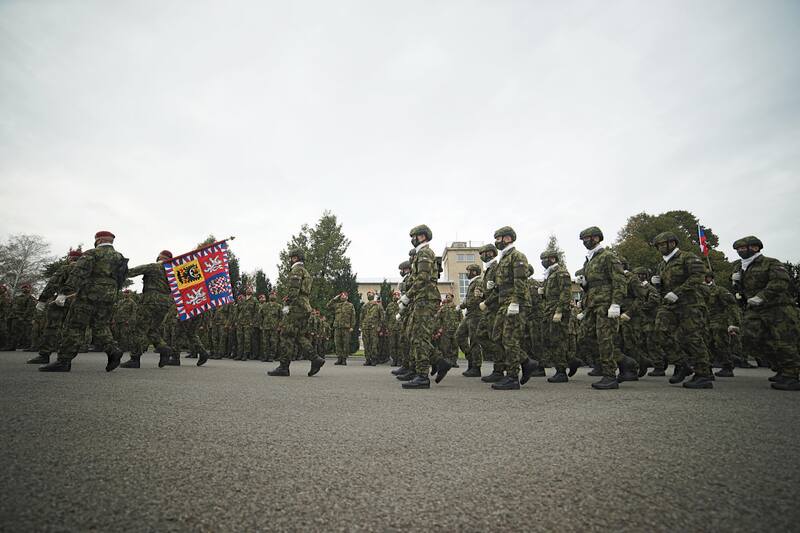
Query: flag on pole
200	280
703	243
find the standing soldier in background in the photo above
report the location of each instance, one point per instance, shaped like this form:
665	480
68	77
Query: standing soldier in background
393	328
725	320
218	332
37	327
93	282
680	278
492	350
154	308
124	326
449	318
270	319
372	318
402	318
295	322
771	323
247	315
344	320
23	306
556	298
604	282
258	328
54	314
467	332
533	331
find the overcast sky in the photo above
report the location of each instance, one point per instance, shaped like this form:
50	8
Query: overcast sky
166	121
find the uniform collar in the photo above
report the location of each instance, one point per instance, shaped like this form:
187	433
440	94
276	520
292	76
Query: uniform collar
507	250
747	262
671	255
421	246
594	251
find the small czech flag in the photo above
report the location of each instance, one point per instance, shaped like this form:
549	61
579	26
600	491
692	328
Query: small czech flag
703	243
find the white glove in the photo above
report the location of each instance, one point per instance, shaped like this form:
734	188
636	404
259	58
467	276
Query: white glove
464	313
490	284
580	280
671	297
60	300
736	276
513	309
540	290
41	306
285	310
733	330
579	316
401	306
655	280
755	301
624	317
405	300
397	317
557	316
482	306
613	311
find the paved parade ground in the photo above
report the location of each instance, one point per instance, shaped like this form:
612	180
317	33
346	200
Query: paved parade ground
226	448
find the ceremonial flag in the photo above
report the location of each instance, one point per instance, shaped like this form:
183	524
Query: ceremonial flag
200	280
703	243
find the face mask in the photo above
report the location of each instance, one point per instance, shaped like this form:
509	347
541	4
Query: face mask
486	258
500	245
663	248
370	297
746	254
588	244
414	241
643	278
546	263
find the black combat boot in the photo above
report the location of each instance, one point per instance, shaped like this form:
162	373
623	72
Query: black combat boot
657	373
606	383
643	366
280	370
744	363
681	372
507	383
407	376
402	370
191	356
419	381
775	378
442	368
472	372
133	362
530	369
339	361
59	366
726	372
494	377
163	355
42	359
787	383
574	365
595	371
174	359
627	370
560	376
699	382
202	359
316	364
113	360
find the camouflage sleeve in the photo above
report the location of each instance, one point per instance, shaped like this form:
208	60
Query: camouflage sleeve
351	314
619	283
637	294
80	272
695	276
51	289
564	292
778	283
521	293
141	270
733	312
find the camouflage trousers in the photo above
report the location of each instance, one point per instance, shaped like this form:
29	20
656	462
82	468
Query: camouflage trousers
467	340
220	337
491	349
686	326
509	332
269	342
152	312
554	342
295	342
341	342
534	343
774	332
420	326
393	340
603	334
370	337
631	338
87	312
720	345
19	333
245	335
54	322
188	337
448	347
128	337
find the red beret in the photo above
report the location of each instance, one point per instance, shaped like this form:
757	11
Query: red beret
165	253
74	253
104	234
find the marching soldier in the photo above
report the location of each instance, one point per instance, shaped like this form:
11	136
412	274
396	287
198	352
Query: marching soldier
467	332
725	320
556	298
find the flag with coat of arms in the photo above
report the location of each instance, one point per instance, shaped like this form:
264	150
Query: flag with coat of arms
200	280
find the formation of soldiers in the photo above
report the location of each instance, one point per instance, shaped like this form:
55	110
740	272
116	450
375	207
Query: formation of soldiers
621	322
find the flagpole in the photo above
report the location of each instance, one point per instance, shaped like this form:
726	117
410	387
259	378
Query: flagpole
708	260
232	237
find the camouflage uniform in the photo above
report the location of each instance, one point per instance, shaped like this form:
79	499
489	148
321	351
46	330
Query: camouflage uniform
556	297
23	306
467	332
393	329
447	324
55	314
423	297
533	320
155	305
723	312
630	321
124	326
247	316
372	318
344	320
492	350
645	321
270	320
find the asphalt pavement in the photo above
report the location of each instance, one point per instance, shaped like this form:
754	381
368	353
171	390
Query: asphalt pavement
226	448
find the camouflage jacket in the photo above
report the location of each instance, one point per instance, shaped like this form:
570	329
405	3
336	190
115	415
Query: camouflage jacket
512	279
474	297
392	324
344	314
125	311
56	283
372	315
766	278
649	306
683	275
634	297
423	284
490	295
723	311
605	280
247	313
449	318
270	315
557	292
23	306
536	309
154	279
300	282
95	275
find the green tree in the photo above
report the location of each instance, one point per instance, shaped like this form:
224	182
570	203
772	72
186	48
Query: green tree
263	284
552	245
386	293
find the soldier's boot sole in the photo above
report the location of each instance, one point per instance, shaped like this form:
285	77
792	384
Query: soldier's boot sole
574	365
442	368
114	359
202	359
58	366
508	383
494	377
559	377
530	369
41	359
316	365
606	383
789	384
133	362
699	382
419	381
280	371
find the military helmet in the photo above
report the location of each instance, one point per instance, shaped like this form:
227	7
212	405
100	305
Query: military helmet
710	274
404	265
506	231
665	236
641	270
474	267
750	240
297	252
487	248
422	229
530	270
591	231
548	253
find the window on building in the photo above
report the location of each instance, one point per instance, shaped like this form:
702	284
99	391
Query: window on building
465	258
463	284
